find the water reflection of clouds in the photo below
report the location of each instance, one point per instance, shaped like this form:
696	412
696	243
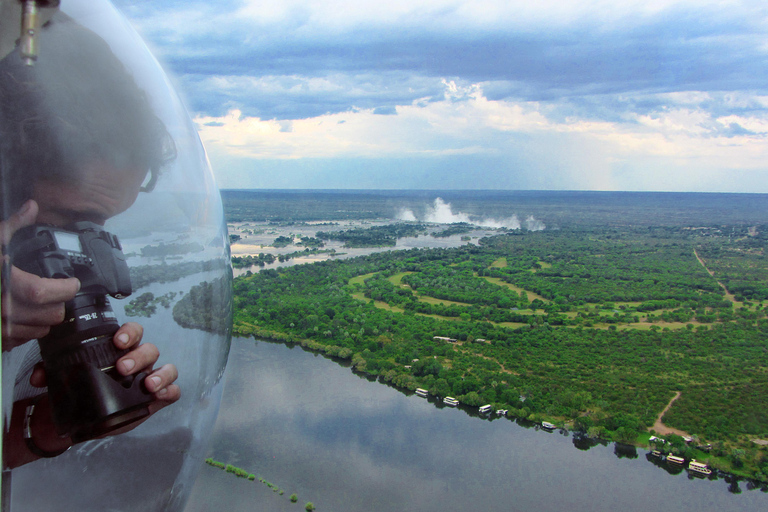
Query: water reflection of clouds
279	397
376	438
348	444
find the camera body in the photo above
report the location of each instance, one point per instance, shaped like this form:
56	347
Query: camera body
89	397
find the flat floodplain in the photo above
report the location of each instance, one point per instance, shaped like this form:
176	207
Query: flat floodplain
593	327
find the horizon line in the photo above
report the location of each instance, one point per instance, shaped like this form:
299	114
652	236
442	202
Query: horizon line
497	191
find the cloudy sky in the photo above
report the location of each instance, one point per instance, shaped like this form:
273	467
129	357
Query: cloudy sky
661	95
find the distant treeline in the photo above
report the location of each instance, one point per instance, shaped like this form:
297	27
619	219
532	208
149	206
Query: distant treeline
261	259
556	208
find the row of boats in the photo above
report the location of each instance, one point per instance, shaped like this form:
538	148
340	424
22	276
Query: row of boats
485	409
694	465
450	401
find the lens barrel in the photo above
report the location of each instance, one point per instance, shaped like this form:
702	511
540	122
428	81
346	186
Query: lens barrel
89	397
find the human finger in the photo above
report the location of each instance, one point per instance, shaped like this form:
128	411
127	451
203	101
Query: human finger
18	334
140	359
32	304
169	395
160	379
25	216
128	335
35	291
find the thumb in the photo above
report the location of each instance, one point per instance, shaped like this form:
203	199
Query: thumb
26	216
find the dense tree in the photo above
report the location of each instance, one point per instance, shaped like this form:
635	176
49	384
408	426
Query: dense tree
561	325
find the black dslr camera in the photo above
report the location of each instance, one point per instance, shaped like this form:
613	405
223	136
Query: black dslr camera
88	396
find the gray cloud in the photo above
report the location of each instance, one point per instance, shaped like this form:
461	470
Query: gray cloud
269	66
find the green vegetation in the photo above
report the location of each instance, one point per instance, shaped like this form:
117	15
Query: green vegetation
229	468
265	259
376	236
457	228
311	242
282	241
250	261
174	249
146	304
146	274
595	330
241	473
557	209
204	307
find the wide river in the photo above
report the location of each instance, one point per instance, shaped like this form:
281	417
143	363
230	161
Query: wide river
312	427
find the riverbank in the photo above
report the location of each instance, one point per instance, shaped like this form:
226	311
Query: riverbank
723	465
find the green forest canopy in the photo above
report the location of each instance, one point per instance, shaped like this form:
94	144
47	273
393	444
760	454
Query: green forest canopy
598	329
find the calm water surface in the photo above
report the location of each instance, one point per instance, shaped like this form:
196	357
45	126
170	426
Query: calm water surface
314	428
261	243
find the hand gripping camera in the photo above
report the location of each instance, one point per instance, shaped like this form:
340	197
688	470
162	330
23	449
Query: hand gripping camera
88	396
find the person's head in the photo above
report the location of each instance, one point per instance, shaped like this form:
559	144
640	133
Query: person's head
76	124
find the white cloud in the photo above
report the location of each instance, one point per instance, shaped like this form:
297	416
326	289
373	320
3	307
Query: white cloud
601	155
601	94
758	125
342	15
460	124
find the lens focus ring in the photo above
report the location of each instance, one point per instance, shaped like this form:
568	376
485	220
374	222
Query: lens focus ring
99	351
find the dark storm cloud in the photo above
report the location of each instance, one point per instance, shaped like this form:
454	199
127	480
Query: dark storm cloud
384	66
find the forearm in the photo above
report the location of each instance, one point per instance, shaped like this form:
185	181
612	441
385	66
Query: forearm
16	450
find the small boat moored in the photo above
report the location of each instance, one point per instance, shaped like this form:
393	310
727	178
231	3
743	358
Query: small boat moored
547	425
449	400
485	409
674	459
421	392
699	467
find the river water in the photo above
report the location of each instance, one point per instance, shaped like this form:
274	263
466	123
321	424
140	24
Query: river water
257	238
312	427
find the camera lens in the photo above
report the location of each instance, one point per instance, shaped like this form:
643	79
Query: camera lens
89	397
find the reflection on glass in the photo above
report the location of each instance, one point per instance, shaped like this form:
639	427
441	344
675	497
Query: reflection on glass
171	227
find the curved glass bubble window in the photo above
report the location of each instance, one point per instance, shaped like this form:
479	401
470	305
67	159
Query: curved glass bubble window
114	109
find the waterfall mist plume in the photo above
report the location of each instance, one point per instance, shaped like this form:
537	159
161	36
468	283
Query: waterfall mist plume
441	212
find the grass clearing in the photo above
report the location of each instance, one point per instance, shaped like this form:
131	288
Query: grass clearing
531	295
499	263
397	279
361	279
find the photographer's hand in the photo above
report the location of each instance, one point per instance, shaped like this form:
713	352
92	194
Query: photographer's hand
141	358
30	304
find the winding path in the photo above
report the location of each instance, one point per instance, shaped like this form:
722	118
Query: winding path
660	427
728	295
